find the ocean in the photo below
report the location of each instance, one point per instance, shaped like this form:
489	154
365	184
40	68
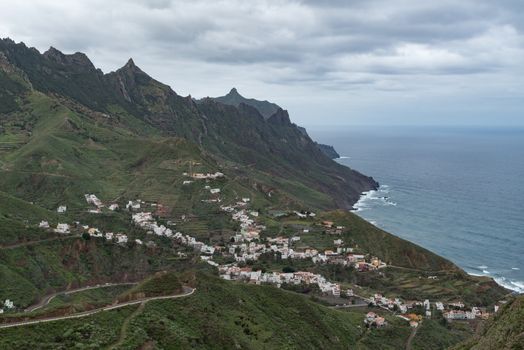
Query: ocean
456	191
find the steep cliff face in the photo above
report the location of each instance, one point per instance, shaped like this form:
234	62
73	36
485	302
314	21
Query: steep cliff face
328	151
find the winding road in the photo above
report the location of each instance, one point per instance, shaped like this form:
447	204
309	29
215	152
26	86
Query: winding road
47	299
187	292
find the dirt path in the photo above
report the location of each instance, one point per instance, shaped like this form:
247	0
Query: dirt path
187	292
411	336
125	326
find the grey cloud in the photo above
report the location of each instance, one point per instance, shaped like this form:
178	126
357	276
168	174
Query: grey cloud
311	45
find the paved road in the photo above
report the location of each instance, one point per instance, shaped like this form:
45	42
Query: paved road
187	292
47	299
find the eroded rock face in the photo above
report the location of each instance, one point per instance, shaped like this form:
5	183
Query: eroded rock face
281	117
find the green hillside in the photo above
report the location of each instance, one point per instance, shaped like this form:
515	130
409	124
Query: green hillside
504	331
220	315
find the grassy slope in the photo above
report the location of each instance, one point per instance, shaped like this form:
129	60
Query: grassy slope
95	332
26	273
220	315
226	315
504	331
18	219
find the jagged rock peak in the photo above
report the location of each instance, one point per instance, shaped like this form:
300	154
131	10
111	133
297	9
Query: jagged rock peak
52	53
233	91
78	58
130	63
131	67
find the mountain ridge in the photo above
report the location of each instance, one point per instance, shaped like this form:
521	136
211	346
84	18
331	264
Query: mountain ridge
276	146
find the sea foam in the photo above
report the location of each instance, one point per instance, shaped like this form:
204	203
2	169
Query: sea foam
373	198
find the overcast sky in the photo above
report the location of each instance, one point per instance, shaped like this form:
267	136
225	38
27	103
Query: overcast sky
327	62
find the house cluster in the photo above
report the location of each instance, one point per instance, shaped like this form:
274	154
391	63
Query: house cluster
95	201
389	303
451	311
120	238
374	320
475	312
304	214
206	176
190	241
6	305
331	228
146	221
233	272
249	229
60	227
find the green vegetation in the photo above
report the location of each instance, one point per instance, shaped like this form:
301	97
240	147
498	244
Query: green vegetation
92	297
439	334
29	272
504	331
95	332
161	283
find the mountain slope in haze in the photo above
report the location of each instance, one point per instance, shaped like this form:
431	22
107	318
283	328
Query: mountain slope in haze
269	111
232	134
326	149
233	98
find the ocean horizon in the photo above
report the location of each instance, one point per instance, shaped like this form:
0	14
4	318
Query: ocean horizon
458	191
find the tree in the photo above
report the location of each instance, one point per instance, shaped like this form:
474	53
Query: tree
288	269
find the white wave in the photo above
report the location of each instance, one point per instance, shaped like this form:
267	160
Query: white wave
515	268
475	274
516	286
344	157
373	198
486	272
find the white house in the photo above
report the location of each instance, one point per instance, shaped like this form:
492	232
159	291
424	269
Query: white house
121	238
113	207
61	209
62	228
92	199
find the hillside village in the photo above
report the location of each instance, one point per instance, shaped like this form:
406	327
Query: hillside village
247	246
